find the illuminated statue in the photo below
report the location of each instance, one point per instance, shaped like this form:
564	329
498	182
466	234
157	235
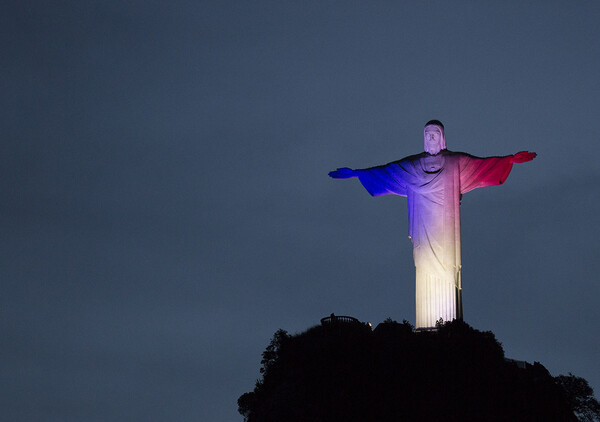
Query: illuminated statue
433	183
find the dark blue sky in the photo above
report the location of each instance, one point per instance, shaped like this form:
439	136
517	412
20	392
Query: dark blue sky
166	206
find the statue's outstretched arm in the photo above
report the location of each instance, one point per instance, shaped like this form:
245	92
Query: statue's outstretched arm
343	173
523	157
380	180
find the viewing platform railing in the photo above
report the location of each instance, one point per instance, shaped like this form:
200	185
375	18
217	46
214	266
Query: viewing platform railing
332	319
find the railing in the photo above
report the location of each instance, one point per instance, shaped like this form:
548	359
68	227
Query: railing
333	319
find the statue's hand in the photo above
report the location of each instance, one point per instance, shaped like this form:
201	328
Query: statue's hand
342	173
523	157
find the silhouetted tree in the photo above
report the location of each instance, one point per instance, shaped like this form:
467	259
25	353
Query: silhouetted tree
270	355
248	401
347	372
580	397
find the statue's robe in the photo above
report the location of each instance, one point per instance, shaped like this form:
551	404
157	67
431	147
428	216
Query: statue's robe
433	186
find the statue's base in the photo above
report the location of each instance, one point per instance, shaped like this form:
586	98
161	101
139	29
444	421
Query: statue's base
425	329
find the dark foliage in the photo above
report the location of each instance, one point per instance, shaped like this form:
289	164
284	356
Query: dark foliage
346	372
580	397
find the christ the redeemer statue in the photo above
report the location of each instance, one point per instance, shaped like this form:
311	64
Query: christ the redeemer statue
433	183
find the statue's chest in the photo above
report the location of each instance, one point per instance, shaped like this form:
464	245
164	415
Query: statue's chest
433	163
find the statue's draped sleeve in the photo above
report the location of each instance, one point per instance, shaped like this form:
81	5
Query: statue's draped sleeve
389	179
476	172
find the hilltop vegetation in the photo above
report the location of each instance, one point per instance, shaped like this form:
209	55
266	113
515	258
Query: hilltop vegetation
348	372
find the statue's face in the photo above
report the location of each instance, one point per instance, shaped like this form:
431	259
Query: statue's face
434	141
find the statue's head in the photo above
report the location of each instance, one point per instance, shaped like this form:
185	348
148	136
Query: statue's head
434	139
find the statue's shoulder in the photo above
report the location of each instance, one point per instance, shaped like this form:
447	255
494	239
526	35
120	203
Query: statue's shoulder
449	153
411	158
455	155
